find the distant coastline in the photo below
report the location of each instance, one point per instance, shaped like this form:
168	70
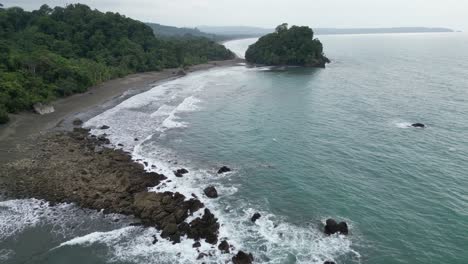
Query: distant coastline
256	31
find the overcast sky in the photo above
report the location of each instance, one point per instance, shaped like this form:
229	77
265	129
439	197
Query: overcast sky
269	13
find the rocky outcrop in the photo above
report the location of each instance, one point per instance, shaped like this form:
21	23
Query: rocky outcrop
224	246
332	227
166	211
242	258
205	228
255	217
223	169
43	109
211	192
95	177
180	172
419	125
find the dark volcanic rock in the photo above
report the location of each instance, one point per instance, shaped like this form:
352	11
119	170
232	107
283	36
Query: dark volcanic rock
180	172
242	258
224	246
420	125
223	169
211	192
108	180
332	227
196	244
255	217
206	227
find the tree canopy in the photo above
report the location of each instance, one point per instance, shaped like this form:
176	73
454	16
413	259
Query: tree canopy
293	46
54	52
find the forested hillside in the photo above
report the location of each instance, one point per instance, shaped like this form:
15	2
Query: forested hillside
49	53
169	31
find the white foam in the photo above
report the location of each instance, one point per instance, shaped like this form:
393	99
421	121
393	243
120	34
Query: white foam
403	124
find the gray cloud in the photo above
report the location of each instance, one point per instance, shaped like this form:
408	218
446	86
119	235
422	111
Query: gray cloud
268	13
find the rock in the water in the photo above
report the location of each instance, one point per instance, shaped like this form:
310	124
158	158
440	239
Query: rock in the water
420	125
43	109
181	73
242	258
329	262
180	172
211	192
223	169
206	227
332	227
77	122
255	217
224	246
104	127
201	255
196	244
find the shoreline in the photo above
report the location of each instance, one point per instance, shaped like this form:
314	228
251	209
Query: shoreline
54	159
25	126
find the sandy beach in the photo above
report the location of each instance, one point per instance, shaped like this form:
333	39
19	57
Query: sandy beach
24	127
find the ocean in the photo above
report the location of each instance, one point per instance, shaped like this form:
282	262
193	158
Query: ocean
305	145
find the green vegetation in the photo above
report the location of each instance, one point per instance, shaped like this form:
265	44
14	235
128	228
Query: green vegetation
295	46
169	31
50	53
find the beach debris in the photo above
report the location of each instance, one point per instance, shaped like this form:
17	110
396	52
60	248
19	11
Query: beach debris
223	169
224	246
211	192
77	122
419	125
255	217
332	227
242	258
43	109
180	172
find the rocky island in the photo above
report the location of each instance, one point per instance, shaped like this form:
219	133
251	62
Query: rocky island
294	46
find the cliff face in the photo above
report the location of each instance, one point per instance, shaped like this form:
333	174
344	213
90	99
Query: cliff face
293	46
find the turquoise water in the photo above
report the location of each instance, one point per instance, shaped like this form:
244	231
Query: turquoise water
306	145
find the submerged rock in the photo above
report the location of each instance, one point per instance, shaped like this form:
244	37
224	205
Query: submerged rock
180	172
224	246
420	125
332	227
211	192
242	258
255	217
224	169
